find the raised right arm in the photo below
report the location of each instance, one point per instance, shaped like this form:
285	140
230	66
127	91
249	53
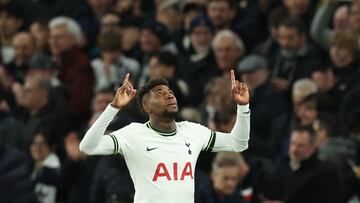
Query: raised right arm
94	141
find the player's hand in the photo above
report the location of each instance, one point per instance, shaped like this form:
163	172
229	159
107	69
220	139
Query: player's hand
239	91
124	94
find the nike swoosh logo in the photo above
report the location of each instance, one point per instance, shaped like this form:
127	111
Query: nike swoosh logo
247	112
150	149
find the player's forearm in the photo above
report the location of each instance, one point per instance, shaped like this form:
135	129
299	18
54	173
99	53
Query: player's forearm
93	137
240	133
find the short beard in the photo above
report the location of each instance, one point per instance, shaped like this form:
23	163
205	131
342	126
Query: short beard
171	115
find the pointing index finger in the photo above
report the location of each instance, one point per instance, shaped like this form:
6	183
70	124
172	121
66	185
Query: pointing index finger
126	80
232	77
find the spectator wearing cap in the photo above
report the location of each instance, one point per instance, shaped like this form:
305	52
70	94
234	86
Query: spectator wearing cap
266	102
201	68
73	66
190	11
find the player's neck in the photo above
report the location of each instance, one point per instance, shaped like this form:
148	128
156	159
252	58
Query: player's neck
163	125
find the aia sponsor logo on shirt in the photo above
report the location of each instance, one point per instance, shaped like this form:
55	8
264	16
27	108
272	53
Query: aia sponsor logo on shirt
173	172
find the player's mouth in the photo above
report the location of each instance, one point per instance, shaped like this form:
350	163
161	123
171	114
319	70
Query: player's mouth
172	104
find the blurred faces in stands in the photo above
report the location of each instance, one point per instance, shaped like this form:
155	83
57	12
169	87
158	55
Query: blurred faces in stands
228	48
301	89
169	14
99	6
221	13
40	32
290	38
23	45
297	8
355	16
341	17
65	33
302	145
201	34
343	46
110	21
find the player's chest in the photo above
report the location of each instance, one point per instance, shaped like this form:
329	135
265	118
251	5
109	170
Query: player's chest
177	148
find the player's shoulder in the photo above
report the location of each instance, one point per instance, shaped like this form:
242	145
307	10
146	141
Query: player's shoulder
132	129
190	125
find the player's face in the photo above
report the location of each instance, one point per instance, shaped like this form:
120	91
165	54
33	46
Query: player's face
162	101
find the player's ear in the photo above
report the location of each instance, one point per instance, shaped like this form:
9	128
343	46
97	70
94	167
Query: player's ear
146	107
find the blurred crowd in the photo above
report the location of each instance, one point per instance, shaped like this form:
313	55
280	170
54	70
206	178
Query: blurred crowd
61	62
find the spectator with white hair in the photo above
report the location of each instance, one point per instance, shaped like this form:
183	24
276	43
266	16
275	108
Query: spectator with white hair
282	125
228	48
73	66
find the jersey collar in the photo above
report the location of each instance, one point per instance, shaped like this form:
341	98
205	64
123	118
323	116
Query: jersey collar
160	132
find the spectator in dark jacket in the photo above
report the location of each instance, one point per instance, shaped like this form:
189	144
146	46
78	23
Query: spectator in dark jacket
296	58
73	66
112	182
304	178
16	186
266	102
39	110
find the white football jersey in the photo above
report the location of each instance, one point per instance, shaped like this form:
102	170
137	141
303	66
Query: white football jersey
161	164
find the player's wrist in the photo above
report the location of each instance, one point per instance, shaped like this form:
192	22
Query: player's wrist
115	106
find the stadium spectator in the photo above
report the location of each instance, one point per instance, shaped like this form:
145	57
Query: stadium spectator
46	166
303	177
11	132
110	21
24	48
73	67
113	64
40	32
228	48
11	22
221	13
281	126
226	174
296	59
266	102
38	110
201	66
16	186
320	30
